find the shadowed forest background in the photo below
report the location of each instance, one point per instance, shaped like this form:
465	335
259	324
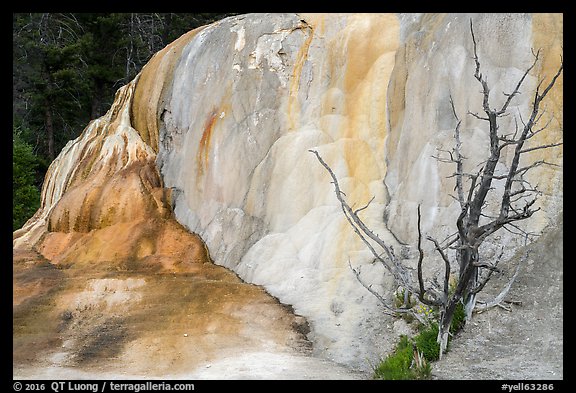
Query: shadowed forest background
66	68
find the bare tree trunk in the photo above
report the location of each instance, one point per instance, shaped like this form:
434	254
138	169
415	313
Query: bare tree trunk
446	316
49	132
469	299
96	100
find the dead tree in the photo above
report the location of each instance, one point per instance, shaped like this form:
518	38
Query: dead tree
473	225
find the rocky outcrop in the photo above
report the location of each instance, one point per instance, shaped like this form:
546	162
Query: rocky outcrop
371	94
218	130
234	138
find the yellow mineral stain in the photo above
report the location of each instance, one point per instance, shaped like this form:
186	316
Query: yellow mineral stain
293	104
368	45
372	41
367	38
547	35
317	21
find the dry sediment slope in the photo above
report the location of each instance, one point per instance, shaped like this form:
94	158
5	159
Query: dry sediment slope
197	322
525	342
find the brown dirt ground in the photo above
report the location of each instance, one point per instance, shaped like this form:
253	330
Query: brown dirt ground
83	316
525	343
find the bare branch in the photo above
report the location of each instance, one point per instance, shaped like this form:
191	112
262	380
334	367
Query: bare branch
449	242
487	266
453	109
533	133
500	297
392	311
513	170
365	207
446	266
422	291
478	75
533	165
420	258
392	264
478	116
553	81
517	89
542	147
482	232
482	283
369	288
459	158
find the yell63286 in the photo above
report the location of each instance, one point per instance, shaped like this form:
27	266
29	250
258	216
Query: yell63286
508	387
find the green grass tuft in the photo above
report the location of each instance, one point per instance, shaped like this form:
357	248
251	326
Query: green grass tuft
397	365
426	342
458	319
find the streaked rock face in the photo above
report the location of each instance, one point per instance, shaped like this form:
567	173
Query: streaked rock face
107	281
436	63
371	94
221	122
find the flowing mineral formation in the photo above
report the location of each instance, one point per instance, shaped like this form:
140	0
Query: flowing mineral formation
214	136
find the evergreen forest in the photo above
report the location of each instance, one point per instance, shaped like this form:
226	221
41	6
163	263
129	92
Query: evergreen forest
66	68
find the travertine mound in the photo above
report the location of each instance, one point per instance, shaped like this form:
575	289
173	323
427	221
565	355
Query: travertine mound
215	133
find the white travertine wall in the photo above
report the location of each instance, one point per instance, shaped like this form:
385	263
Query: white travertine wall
252	94
436	63
234	144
